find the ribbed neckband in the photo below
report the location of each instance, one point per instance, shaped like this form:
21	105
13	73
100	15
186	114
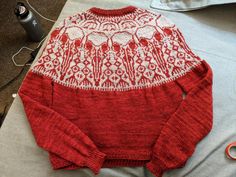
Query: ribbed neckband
113	12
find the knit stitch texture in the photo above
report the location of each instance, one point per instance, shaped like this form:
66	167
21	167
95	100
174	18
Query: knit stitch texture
118	88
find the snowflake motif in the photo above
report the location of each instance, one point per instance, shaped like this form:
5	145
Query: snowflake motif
58	54
170	59
180	55
56	62
77	60
86	71
119	72
141	69
86	62
75	69
117	63
46	58
167	51
139	61
148	58
108	72
152	66
50	51
175	47
108	64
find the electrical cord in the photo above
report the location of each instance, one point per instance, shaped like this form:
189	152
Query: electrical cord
2	115
13	56
45	18
20	65
24	47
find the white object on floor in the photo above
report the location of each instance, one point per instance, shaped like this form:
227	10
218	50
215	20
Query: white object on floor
14	95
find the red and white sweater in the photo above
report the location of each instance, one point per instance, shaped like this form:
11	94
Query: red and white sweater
118	88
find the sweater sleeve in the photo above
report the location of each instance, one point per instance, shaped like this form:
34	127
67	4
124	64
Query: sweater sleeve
190	122
67	145
188	125
53	132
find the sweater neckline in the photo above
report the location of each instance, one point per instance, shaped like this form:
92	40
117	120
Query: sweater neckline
113	12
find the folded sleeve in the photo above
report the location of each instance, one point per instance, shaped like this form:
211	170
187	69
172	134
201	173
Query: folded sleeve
192	120
67	145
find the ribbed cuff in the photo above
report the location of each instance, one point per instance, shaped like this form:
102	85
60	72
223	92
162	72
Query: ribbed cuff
155	169
95	161
58	162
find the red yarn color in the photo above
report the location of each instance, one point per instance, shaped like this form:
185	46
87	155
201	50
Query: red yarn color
113	12
117	124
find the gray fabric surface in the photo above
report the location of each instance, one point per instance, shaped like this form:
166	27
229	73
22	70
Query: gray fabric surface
211	33
186	5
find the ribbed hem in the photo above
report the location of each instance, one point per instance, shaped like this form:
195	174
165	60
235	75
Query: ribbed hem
155	169
112	12
109	163
95	161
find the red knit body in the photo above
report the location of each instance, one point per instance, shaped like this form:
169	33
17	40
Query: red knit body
118	88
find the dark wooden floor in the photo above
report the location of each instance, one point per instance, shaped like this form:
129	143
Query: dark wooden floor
13	37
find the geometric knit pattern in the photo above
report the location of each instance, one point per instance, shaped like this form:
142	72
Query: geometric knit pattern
126	52
118	88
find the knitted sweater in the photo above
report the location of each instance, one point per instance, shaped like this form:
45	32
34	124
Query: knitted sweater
118	88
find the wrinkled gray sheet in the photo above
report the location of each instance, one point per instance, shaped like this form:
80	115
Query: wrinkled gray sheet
211	33
185	5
